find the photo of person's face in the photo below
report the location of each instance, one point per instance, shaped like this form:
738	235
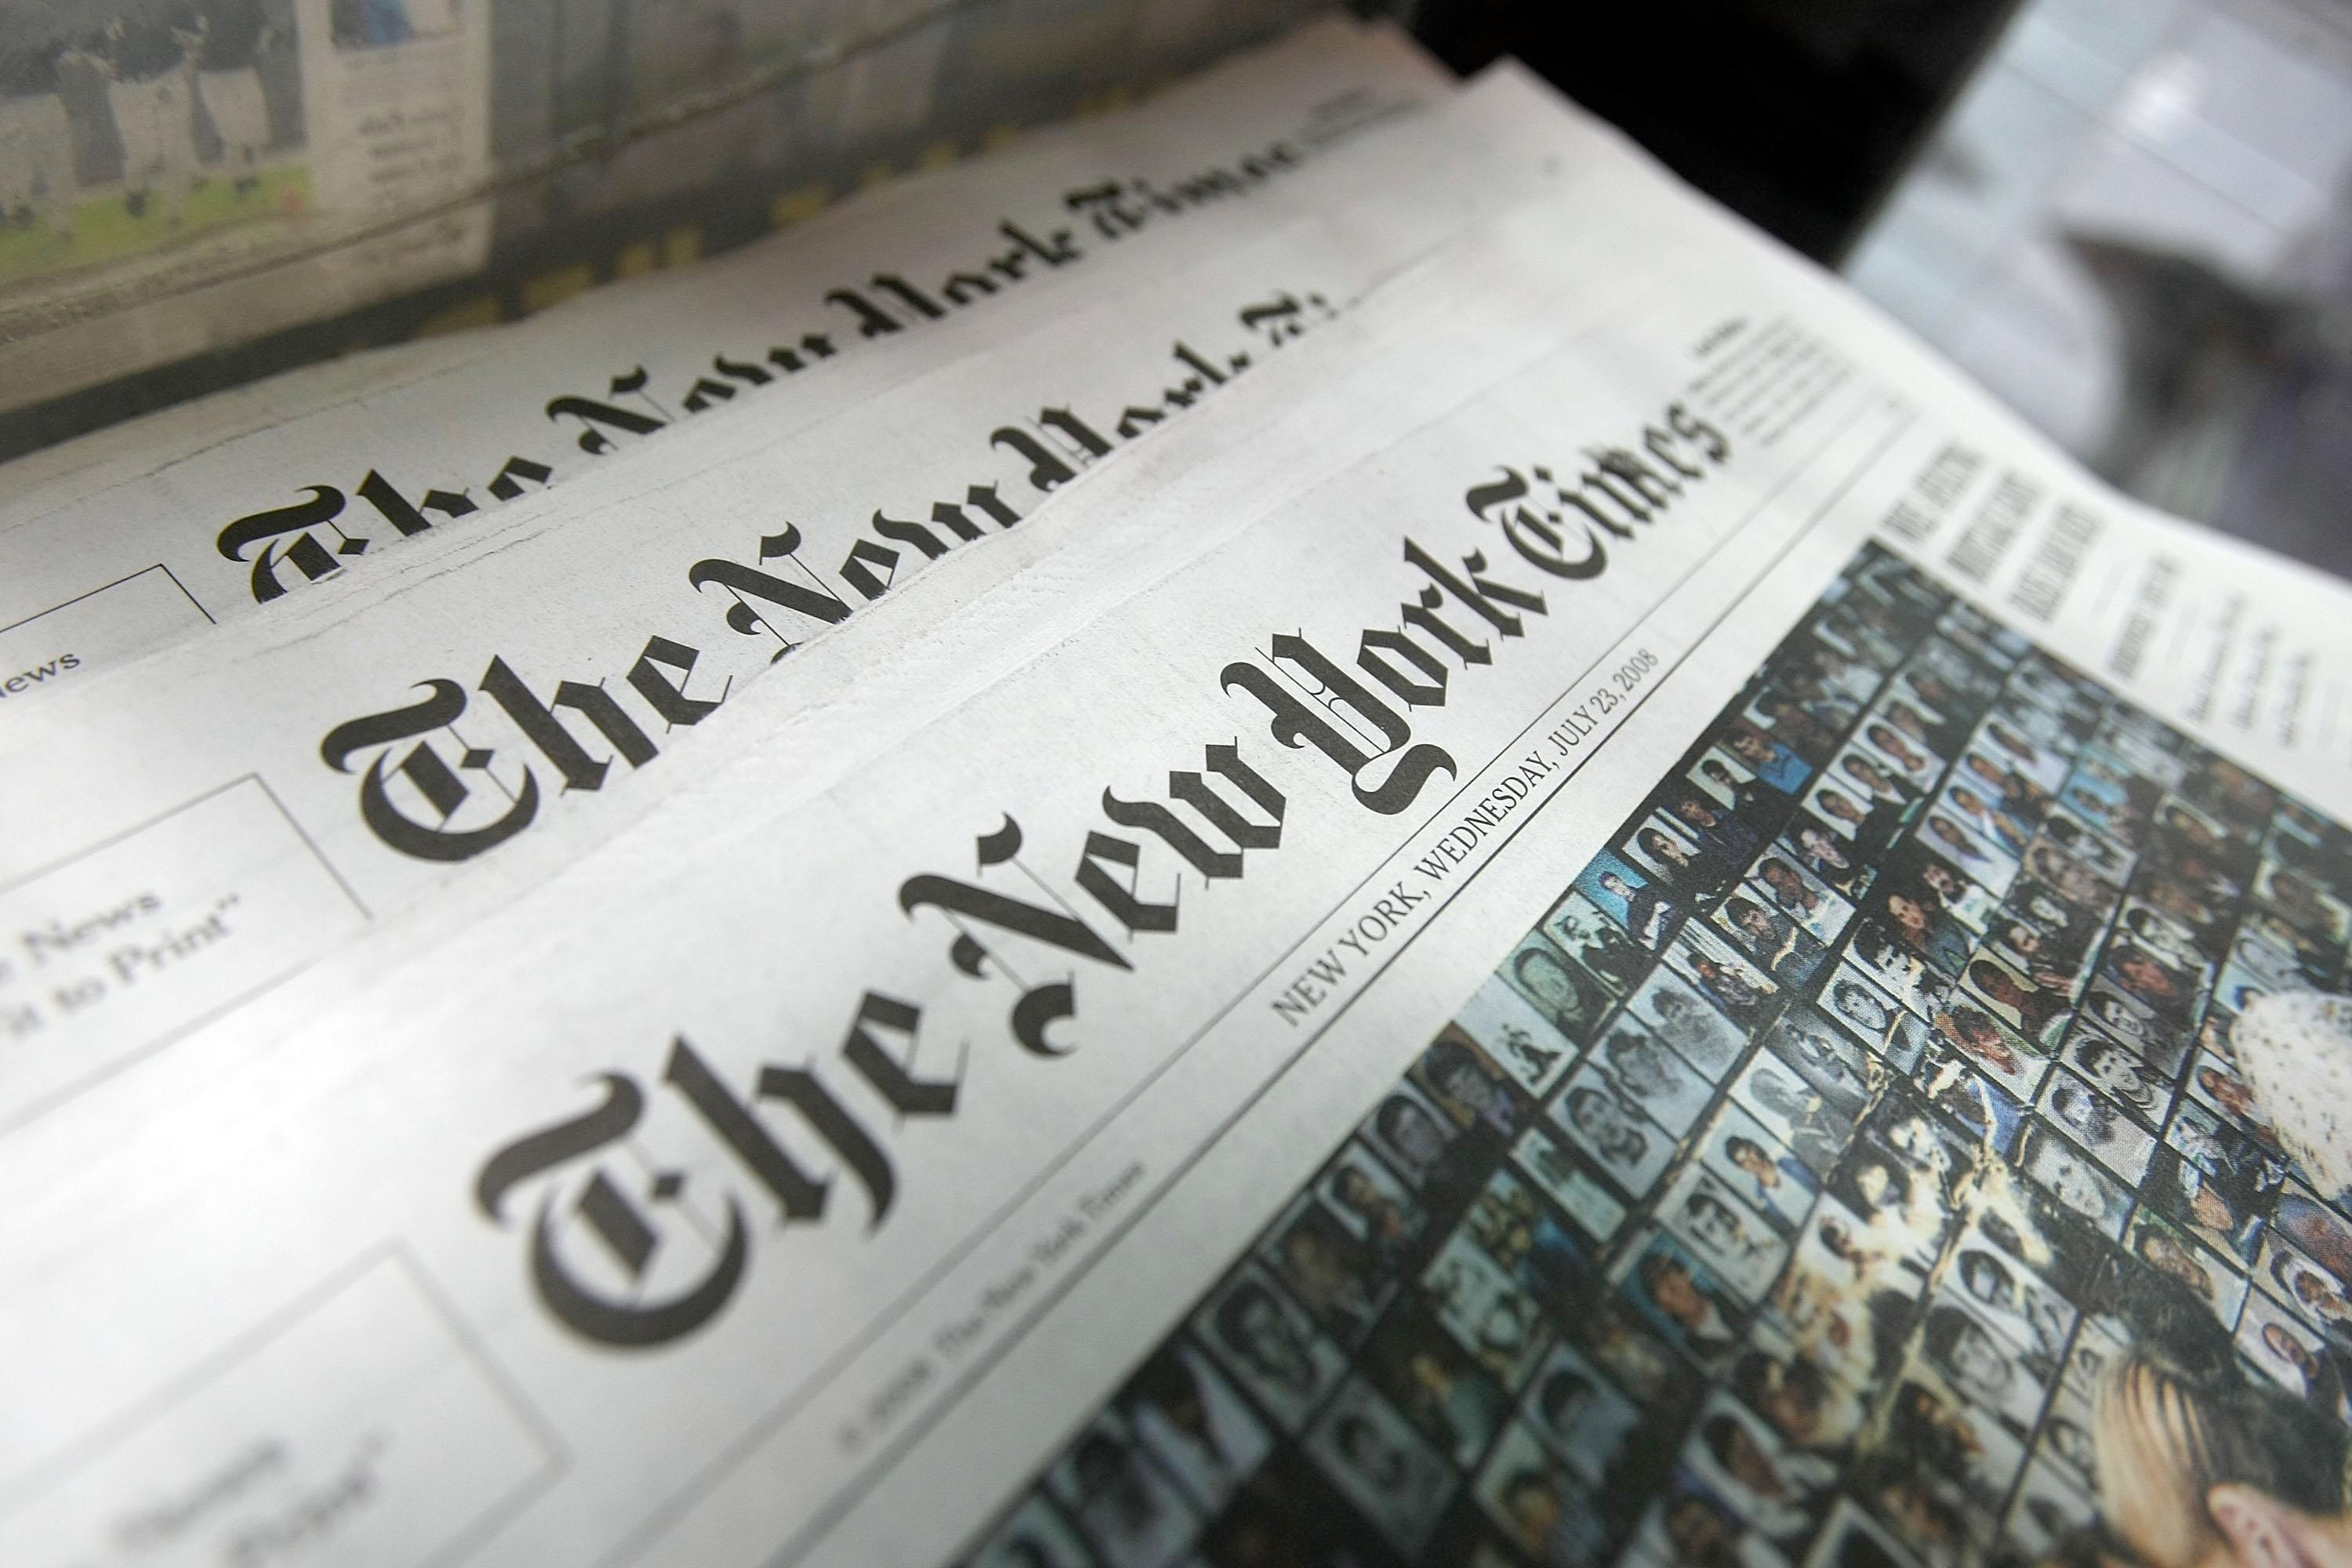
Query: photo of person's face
1621	1141
1830	1063
1989	1046
1976	1362
2286	1348
1649	1073
1132	1512
1194	1421
1266	1342
2117	1074
1737	1245
1684	1299
1896	970
1580	1414
1382	1464
2077	1181
2307	1289
1536	1501
1551	1163
2097	1126
1596	944
1410	1133
2171	1254
1543	975
1825	854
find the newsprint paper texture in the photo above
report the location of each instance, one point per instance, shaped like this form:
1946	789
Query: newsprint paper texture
1597	918
701	565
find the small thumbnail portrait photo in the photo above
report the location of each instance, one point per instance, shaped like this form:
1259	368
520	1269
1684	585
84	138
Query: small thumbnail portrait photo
1269	1345
1579	1414
1567	999
1648	1071
1547	1160
1736	987
1825	1058
1899	972
1485	1308
1129	1507
1861	1007
1373	1201
2292	1354
1805	1121
1779	1491
2096	1124
2075	1180
1737	1246
2306	1288
1384	1467
1646	905
1662	848
1629	1148
1752	1162
2013	1300
1783	949
1595	942
1452	1400
1329	1272
1673	1009
1826	854
2119	1074
1463	1083
1669	1286
1410	1133
1980	1366
2163	1246
1538	1503
1194	1421
1799	894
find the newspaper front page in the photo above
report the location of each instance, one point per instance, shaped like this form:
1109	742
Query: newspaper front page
108	560
524	689
1602	918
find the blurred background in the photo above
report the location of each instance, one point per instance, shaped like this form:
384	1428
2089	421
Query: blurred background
2132	219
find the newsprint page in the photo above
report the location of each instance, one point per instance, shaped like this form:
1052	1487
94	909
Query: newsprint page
1598	917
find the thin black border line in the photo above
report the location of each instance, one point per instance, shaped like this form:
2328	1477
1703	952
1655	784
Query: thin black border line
118	835
640	1538
1003	1344
215	1367
108	588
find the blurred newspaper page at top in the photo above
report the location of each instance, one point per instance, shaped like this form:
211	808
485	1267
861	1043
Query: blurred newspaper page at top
167	543
1607	626
199	174
153	148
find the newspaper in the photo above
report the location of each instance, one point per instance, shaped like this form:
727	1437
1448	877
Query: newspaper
528	686
149	550
1599	918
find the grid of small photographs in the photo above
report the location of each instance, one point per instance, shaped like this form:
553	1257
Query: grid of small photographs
1849	1169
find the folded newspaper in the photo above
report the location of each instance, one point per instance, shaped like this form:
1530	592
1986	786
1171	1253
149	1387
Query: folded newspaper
1561	904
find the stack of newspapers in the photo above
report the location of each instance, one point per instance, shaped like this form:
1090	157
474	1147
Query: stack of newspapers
1311	827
